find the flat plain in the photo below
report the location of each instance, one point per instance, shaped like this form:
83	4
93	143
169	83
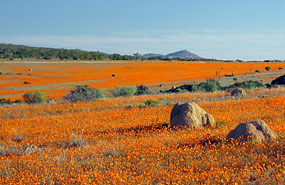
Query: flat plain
57	78
113	141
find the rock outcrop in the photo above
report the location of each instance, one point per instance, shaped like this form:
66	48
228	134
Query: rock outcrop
190	115
255	130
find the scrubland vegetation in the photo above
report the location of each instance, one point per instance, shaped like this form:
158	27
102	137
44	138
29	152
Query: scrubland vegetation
110	142
122	135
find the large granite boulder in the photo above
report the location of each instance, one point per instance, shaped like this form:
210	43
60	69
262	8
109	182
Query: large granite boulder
190	115
255	130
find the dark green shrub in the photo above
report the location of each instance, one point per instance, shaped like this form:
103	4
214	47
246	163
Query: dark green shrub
257	71
18	101
246	85
178	90
34	97
220	123
151	102
267	68
211	85
280	68
195	88
84	93
4	101
123	91
142	89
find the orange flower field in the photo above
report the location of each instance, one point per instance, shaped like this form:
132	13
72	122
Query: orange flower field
57	78
112	142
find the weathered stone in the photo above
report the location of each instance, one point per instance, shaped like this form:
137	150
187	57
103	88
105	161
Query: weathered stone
190	115
255	130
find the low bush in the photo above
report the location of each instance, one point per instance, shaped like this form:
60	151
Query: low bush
84	93
211	85
123	91
246	85
142	89
267	68
4	101
151	102
34	97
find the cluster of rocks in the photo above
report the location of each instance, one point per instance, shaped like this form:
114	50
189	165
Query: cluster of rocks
191	115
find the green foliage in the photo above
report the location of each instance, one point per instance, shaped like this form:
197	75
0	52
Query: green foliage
4	101
211	85
34	97
142	89
11	52
151	102
280	68
267	68
137	56
84	93
220	124
195	88
123	91
18	101
246	84
257	71
178	90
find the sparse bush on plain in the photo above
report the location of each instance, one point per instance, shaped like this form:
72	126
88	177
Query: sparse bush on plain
123	91
211	85
151	102
84	93
142	89
34	97
257	71
4	101
246	85
267	68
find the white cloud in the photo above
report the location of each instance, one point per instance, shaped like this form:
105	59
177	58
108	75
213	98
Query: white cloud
210	44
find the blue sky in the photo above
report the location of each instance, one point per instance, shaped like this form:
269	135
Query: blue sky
223	29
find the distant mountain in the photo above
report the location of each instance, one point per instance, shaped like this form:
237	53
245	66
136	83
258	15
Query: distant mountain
152	55
183	54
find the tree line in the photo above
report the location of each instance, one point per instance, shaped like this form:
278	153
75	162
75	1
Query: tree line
11	52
